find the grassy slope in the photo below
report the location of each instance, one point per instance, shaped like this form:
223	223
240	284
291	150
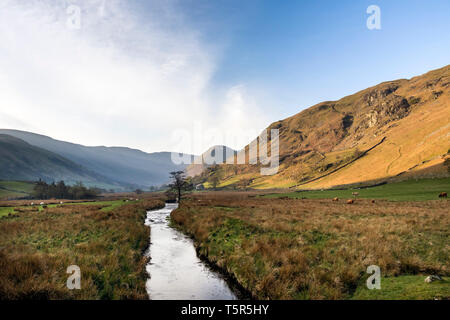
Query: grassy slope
15	189
22	161
38	245
319	249
315	141
411	190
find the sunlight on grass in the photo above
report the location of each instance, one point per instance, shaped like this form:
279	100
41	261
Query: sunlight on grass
411	190
408	287
4	211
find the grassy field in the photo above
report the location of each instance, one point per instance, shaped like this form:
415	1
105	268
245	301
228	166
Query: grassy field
411	190
320	249
15	189
407	287
108	205
4	211
105	239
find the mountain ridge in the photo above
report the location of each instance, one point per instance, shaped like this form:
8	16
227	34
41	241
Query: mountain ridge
412	115
124	165
20	160
326	145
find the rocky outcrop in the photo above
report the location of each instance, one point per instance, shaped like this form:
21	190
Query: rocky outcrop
385	106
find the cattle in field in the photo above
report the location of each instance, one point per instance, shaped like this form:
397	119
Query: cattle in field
336	199
443	195
373	201
355	194
350	201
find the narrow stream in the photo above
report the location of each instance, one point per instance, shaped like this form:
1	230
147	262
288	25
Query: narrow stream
176	273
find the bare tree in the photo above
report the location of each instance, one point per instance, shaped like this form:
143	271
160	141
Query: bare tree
179	183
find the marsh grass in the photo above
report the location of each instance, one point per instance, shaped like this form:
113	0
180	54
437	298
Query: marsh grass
319	249
37	246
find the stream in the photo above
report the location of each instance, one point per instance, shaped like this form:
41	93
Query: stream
176	273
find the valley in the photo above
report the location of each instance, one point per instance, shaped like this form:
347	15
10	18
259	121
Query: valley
362	181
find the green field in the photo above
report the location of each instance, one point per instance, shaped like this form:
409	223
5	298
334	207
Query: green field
4	211
109	206
411	190
408	287
15	189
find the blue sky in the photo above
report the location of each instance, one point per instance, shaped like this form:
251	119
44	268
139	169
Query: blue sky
302	52
183	75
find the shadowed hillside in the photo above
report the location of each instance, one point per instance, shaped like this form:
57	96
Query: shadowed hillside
22	161
125	165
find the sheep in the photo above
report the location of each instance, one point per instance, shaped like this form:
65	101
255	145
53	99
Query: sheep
355	194
443	195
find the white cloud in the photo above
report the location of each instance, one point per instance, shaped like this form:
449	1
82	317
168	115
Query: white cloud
121	79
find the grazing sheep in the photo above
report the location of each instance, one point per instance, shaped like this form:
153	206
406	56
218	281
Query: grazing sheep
355	194
443	195
336	199
42	203
432	278
350	201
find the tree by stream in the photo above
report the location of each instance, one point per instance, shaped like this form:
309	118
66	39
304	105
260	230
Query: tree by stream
180	183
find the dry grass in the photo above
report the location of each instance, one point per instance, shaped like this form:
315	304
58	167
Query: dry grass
36	247
316	249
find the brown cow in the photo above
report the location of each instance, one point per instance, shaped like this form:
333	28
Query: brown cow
336	199
373	201
443	195
350	201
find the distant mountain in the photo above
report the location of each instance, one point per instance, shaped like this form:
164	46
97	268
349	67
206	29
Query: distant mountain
395	130
207	159
122	165
22	161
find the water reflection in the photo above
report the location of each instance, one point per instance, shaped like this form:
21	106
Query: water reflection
175	270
